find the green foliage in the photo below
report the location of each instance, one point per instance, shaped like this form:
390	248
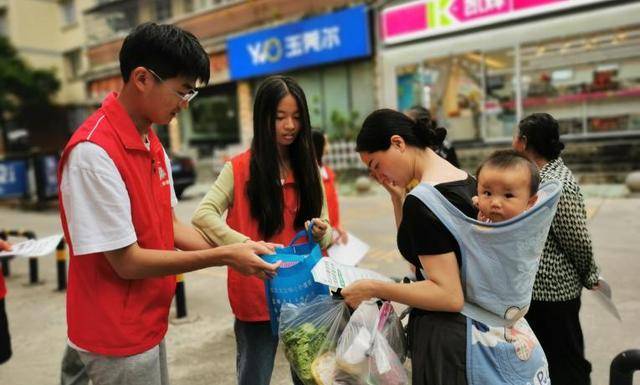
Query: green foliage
22	89
345	127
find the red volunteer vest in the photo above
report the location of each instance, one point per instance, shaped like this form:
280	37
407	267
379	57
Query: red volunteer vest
3	288
332	197
247	294
106	314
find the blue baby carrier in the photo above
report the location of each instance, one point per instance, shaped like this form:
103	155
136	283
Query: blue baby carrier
499	265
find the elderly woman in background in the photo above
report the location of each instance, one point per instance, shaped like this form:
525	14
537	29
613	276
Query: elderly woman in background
567	264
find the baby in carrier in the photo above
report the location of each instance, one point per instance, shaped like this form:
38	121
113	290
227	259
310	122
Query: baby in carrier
507	186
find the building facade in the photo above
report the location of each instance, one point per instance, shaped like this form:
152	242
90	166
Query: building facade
50	35
481	66
339	91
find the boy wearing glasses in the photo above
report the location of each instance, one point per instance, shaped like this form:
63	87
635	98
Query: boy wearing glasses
117	199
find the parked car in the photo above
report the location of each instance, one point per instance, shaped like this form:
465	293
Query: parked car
184	173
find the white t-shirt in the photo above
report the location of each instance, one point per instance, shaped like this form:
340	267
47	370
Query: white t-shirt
96	202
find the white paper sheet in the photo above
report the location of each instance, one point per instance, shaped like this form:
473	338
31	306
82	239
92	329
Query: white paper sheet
334	274
350	253
603	295
34	247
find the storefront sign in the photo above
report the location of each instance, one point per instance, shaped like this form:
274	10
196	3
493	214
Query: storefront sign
13	178
335	37
46	167
419	19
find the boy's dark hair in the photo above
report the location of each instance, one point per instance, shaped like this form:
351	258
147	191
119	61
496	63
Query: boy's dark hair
542	134
319	142
165	49
505	159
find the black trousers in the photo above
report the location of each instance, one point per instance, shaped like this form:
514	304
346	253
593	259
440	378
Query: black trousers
438	346
557	326
5	338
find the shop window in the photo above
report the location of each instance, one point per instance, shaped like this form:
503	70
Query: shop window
188	6
163	9
500	94
214	118
72	63
591	83
339	97
471	94
205	4
68	11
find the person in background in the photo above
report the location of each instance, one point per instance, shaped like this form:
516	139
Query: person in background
446	150
269	192
5	337
321	147
567	264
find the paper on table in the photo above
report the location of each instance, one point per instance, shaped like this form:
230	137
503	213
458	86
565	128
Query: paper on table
331	273
603	295
350	253
34	247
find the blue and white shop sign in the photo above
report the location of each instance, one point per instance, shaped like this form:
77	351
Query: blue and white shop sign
13	178
338	36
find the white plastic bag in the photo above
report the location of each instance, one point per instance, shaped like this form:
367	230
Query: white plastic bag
310	333
364	350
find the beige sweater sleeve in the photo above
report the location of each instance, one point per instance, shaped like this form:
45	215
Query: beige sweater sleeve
209	217
210	221
327	239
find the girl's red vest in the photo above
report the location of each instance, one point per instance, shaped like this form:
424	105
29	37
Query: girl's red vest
332	197
247	294
106	314
3	288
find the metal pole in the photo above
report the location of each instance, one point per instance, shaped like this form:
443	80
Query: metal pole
61	263
33	261
5	261
623	367
181	300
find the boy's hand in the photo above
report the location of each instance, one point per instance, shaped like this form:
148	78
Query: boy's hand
244	258
5	246
268	245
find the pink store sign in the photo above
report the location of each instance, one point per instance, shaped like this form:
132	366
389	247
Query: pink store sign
423	18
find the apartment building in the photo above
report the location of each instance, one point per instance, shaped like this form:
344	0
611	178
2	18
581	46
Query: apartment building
49	34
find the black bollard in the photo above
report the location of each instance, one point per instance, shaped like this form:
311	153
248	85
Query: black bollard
61	262
33	261
5	261
181	300
623	367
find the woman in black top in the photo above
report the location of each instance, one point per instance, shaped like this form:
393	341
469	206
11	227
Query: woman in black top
397	149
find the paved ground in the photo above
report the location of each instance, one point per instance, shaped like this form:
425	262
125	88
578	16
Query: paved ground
202	349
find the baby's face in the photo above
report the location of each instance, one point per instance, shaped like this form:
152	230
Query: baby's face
504	193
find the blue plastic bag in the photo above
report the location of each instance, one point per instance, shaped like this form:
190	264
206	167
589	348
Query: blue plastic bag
294	282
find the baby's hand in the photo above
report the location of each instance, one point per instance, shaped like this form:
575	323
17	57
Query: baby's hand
481	216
